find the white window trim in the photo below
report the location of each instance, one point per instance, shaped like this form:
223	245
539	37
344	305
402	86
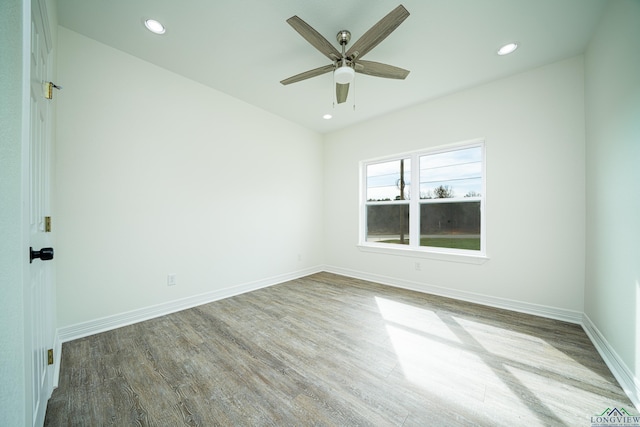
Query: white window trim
442	254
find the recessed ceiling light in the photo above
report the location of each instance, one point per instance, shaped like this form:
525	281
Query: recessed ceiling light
507	48
154	26
327	116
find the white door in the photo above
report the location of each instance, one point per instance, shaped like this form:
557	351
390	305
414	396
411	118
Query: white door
39	298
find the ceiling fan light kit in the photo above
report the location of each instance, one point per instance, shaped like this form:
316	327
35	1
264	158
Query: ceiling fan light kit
344	74
345	64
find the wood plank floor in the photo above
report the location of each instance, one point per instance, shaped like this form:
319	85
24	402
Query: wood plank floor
327	350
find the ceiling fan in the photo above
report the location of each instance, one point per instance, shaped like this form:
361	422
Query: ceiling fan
346	64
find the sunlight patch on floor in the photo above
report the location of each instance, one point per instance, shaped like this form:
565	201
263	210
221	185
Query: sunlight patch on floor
559	396
414	319
430	355
484	336
456	358
432	365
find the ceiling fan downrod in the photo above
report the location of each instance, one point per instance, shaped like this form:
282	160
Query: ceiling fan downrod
343	37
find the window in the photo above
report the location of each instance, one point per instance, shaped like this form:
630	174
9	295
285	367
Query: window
444	213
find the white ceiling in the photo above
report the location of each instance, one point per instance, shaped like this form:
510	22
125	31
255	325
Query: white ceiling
245	47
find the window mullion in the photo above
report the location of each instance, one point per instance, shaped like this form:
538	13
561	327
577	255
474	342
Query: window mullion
414	203
363	203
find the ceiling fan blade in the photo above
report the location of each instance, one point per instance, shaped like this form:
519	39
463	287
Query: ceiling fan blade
342	91
378	69
377	33
308	74
315	38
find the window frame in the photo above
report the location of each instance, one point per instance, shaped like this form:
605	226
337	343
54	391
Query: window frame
413	248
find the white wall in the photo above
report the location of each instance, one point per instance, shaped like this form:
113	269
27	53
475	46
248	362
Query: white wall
612	292
13	360
533	124
158	175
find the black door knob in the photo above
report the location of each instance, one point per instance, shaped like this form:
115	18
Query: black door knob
45	254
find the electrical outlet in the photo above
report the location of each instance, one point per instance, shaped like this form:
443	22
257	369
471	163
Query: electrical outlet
171	280
418	266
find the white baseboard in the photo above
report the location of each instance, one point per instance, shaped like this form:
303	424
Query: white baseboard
628	381
570	316
91	327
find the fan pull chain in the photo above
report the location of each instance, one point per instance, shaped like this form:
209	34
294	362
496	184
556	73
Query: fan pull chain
354	94
332	92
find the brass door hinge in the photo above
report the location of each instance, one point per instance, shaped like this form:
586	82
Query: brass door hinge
50	356
47	224
48	89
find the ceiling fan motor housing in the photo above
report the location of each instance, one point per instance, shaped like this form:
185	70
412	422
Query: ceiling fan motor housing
343	37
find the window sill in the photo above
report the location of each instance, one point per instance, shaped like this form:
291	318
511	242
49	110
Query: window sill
462	257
